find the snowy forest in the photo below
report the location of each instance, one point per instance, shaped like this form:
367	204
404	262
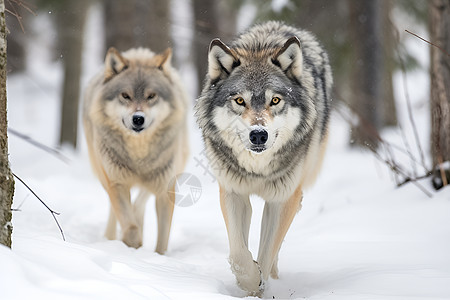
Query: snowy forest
377	228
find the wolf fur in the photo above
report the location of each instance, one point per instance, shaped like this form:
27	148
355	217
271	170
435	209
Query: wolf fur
134	118
264	113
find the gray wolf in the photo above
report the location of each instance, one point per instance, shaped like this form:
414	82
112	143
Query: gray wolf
134	117
264	113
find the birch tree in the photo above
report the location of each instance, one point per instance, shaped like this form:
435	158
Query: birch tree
6	178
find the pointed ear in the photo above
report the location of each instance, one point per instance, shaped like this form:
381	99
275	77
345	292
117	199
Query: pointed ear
114	63
221	60
165	59
290	57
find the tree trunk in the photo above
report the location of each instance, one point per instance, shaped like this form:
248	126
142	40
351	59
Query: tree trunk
315	16
440	83
389	110
137	23
118	24
16	42
206	28
156	31
6	178
213	19
367	71
71	21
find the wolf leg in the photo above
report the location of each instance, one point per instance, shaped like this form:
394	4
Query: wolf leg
121	205
139	208
111	227
164	212
277	217
237	212
274	270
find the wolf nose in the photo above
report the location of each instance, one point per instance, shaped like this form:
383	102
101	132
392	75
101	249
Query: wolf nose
258	137
138	120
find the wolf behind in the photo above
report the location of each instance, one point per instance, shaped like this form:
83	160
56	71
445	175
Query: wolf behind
134	118
264	114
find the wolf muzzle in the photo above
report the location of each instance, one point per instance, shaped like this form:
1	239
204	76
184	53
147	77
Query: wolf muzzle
258	137
138	121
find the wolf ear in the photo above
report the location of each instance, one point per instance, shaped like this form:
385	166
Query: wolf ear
165	59
114	63
290	57
221	60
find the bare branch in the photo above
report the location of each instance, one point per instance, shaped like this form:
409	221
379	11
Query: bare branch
39	145
20	205
26	6
408	100
389	160
408	179
409	109
13	10
408	149
419	37
396	169
54	213
15	14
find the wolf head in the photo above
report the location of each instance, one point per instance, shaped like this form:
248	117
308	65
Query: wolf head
137	88
256	98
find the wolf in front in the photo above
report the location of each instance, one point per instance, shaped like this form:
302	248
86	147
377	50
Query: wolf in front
134	117
264	114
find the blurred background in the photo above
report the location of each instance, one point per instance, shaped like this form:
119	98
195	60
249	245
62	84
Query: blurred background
366	41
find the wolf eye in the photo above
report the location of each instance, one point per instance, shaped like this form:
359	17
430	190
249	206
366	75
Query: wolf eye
275	101
240	101
125	96
151	96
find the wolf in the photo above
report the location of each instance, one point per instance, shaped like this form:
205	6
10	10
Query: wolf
134	117
263	114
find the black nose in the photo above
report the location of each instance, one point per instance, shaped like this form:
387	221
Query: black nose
258	137
138	120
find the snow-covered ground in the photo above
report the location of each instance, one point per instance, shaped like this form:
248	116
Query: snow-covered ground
357	236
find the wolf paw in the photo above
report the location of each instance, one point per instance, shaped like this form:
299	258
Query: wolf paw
274	271
132	237
249	278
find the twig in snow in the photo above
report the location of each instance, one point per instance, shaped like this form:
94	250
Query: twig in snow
54	213
39	145
408	100
442	171
408	149
397	169
389	160
20	205
409	109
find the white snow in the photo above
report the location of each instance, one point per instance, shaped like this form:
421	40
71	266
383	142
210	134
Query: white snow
357	236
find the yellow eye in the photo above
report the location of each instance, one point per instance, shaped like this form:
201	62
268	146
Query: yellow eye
275	101
240	101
